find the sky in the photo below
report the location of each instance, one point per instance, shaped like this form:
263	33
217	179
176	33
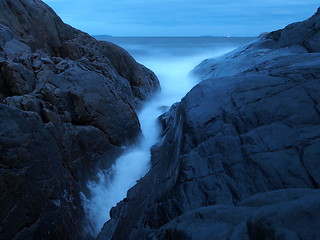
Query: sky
182	17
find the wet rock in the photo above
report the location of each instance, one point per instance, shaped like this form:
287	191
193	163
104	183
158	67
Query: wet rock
238	159
67	106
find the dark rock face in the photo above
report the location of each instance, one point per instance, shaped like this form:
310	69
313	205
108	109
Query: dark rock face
67	105
240	154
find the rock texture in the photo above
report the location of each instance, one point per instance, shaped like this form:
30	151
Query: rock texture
67	106
239	158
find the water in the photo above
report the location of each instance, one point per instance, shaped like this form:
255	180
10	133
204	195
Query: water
171	59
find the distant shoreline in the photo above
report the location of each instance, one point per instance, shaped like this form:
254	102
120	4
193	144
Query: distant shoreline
110	36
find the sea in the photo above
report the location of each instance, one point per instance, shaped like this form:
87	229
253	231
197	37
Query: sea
171	59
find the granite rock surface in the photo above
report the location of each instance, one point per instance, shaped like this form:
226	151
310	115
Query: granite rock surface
239	156
67	106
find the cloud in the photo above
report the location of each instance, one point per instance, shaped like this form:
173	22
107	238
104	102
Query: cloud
158	17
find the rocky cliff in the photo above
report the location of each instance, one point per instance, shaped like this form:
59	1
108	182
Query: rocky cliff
67	105
239	158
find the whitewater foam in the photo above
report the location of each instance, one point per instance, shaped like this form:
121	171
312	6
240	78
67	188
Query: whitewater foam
113	184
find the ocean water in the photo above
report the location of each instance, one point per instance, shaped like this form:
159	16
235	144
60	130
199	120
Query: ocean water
177	47
171	59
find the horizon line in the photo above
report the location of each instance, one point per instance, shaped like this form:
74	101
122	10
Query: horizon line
204	36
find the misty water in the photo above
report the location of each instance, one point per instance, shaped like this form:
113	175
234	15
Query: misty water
171	59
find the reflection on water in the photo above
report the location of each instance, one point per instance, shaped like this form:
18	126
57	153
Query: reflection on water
171	59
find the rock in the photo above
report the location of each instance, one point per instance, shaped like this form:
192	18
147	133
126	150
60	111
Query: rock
33	181
263	216
239	155
305	34
67	106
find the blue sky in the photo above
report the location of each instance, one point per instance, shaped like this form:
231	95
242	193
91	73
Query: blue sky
182	17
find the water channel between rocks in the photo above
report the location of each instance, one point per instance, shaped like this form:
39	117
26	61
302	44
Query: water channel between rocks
171	59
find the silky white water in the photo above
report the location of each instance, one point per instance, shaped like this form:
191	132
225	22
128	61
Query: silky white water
173	73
